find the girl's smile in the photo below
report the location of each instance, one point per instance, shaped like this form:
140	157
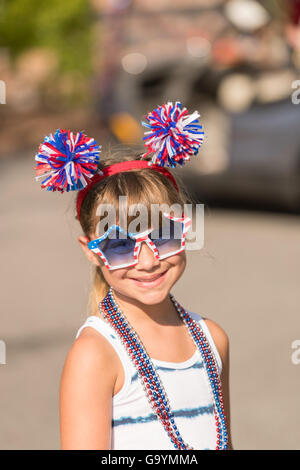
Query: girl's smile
150	281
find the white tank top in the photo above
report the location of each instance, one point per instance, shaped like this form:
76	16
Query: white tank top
134	423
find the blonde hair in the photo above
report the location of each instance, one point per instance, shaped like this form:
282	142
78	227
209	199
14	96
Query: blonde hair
139	186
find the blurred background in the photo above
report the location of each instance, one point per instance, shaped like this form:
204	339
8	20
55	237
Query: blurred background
99	66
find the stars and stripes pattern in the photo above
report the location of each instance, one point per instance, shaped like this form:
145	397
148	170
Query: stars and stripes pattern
94	245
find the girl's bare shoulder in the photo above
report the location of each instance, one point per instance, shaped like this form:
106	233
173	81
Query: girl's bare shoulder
219	336
91	352
85	395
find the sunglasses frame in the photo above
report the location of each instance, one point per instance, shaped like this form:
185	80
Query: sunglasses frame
139	239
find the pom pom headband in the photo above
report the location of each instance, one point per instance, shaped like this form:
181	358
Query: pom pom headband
69	161
119	168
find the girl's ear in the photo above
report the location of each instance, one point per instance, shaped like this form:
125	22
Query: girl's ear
92	257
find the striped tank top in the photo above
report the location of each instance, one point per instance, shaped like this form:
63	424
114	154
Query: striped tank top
134	423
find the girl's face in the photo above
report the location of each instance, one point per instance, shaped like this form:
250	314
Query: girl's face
150	280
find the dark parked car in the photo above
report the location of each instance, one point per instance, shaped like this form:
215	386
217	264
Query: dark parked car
263	159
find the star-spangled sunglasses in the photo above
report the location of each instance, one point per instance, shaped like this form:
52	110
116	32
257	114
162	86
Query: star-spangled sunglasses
123	251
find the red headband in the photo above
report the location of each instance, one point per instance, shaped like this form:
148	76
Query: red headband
119	168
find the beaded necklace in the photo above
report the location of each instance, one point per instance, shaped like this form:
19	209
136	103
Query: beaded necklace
150	379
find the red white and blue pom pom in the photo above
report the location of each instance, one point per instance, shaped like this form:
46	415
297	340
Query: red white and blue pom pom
67	161
174	134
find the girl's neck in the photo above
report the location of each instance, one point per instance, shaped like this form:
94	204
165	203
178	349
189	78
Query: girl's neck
163	313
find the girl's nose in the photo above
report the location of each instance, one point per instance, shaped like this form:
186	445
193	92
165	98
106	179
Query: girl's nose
146	258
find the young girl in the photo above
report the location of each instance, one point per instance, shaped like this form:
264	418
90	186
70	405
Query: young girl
142	373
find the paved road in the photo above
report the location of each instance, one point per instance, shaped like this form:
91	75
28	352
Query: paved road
246	278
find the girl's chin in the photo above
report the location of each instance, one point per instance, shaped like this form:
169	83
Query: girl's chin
145	296
150	296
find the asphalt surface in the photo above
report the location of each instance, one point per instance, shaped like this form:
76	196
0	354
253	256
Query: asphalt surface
246	278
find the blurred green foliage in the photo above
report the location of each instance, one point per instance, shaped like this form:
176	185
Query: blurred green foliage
64	26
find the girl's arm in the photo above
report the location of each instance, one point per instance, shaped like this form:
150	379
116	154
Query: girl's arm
222	343
86	391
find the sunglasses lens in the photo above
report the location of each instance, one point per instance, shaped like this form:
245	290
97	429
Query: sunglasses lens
167	239
117	249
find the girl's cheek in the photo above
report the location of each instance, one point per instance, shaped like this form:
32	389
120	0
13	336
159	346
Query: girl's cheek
113	277
179	262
